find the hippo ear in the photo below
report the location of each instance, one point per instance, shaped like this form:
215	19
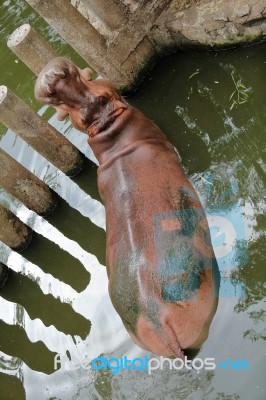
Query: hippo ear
44	89
49	83
52	78
61	114
119	104
86	73
51	94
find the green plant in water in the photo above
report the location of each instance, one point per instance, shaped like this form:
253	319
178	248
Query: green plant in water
241	93
194	73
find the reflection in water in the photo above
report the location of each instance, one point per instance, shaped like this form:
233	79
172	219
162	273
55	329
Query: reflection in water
57	301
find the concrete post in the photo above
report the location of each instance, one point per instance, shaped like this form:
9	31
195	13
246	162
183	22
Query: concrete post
31	48
19	117
13	232
25	186
80	34
112	13
3	274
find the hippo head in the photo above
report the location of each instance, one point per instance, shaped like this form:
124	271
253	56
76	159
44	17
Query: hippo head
91	105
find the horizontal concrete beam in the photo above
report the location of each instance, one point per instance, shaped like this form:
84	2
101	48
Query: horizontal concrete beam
113	13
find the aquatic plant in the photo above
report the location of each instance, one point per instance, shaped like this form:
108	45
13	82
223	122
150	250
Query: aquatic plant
194	73
241	93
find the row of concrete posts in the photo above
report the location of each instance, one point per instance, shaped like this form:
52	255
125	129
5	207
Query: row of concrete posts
121	58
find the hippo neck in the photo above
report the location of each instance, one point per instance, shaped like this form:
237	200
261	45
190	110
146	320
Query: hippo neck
129	127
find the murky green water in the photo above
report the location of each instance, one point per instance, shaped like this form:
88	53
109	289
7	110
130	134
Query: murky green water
56	299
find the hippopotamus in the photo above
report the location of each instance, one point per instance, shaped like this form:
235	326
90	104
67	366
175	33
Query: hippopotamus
162	272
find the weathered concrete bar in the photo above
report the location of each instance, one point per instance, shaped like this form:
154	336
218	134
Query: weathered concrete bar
3	274
25	186
13	232
112	13
19	117
81	35
31	48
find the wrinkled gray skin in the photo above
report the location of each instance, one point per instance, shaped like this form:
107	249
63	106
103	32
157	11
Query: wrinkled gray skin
163	278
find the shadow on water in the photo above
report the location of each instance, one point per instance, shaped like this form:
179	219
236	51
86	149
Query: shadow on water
57	262
12	387
87	179
90	237
18	345
22	290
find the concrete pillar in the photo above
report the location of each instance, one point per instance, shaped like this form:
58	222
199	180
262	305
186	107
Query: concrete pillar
13	232
113	13
19	117
31	48
3	274
25	186
80	34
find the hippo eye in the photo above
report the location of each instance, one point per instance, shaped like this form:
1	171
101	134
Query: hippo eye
103	100
52	94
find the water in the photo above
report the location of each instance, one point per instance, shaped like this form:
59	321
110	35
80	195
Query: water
56	299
